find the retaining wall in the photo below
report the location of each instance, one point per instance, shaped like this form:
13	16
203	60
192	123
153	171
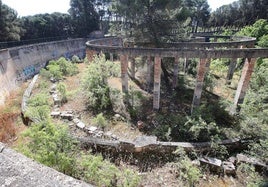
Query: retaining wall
21	63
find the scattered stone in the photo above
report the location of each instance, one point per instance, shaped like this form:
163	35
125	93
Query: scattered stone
76	120
53	80
92	130
114	137
196	162
56	99
213	163
108	134
67	115
81	125
228	168
232	159
99	134
140	125
118	117
55	114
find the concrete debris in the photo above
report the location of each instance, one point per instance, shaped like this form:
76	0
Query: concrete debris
67	115
214	162
118	117
140	125
80	125
55	114
76	120
92	129
232	159
228	168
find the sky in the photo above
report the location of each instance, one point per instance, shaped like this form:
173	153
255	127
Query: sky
32	7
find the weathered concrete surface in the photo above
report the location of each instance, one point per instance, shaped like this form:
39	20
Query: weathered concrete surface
16	170
157	82
21	63
124	74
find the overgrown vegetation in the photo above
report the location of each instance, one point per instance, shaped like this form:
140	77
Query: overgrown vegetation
95	83
56	69
51	144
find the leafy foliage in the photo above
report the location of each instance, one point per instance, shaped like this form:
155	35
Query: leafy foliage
38	108
156	21
10	26
259	30
187	170
61	87
52	146
46	25
84	17
95	82
100	121
59	68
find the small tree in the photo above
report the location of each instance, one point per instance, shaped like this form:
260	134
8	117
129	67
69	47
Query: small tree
61	87
95	83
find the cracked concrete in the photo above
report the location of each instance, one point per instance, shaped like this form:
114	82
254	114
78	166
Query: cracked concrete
17	170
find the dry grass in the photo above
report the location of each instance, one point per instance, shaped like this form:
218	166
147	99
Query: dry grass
10	121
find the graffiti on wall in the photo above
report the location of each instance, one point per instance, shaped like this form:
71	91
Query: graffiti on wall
29	71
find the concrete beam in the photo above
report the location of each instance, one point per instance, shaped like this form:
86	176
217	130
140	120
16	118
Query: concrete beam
157	82
124	75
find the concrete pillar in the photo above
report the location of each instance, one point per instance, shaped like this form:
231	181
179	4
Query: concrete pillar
231	70
124	75
133	66
111	57
175	72
149	73
243	83
90	54
185	64
157	82
201	72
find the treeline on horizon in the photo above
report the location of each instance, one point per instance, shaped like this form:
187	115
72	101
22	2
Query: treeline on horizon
85	16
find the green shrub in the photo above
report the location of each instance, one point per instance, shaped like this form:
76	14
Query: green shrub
200	130
103	173
100	121
38	108
75	59
51	145
188	172
59	68
95	83
55	71
219	67
247	174
61	87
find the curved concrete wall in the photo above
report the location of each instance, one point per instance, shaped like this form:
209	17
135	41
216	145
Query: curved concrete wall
21	63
